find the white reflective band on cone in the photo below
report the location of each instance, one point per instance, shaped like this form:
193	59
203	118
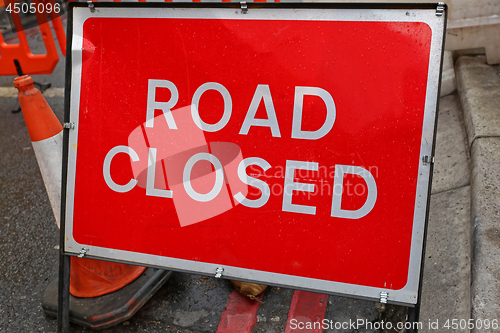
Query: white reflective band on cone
48	153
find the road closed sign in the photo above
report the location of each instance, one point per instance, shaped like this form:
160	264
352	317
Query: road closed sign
289	145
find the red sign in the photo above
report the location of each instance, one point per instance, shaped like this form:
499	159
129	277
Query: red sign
283	146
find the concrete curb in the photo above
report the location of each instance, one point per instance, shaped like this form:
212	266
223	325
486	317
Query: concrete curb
485	218
479	89
448	82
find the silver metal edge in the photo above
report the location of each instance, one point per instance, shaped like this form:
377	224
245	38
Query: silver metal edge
437	25
76	74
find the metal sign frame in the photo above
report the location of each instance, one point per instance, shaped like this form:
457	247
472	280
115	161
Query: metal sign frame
433	15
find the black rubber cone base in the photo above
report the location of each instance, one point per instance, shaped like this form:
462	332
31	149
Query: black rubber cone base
111	309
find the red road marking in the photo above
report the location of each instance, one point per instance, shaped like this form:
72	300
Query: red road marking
240	315
306	308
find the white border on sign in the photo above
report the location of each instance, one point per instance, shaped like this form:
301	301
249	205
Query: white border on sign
407	295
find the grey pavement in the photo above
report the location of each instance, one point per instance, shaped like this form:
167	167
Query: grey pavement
191	303
446	281
451	167
479	88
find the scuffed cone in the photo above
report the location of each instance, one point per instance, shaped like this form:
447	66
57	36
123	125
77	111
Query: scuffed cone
46	134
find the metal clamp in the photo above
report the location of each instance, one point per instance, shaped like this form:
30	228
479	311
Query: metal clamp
244	7
426	159
69	125
440	9
83	252
91	6
218	272
384	295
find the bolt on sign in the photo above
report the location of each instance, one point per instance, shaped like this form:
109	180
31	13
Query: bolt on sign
286	144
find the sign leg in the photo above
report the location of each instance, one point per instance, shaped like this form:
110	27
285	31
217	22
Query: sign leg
413	317
63	294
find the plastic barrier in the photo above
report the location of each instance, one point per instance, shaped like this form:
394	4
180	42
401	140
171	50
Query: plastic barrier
39	63
20	51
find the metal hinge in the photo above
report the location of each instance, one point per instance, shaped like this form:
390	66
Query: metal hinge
428	159
384	295
83	252
91	6
69	125
244	8
440	9
218	272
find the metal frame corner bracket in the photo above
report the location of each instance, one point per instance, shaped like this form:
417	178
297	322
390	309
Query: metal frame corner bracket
426	159
69	125
384	295
218	272
83	252
91	6
244	7
440	9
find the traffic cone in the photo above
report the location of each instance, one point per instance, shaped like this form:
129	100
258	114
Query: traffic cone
93	278
46	137
89	278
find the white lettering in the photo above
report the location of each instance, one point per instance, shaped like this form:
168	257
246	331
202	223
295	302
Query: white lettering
166	107
261	93
298	104
228	107
107	167
340	170
291	186
150	183
261	185
219	177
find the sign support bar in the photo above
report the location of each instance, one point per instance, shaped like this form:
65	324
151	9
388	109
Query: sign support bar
63	301
64	259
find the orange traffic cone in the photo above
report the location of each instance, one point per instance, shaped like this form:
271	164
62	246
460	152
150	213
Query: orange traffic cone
113	283
103	293
89	278
46	137
92	278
